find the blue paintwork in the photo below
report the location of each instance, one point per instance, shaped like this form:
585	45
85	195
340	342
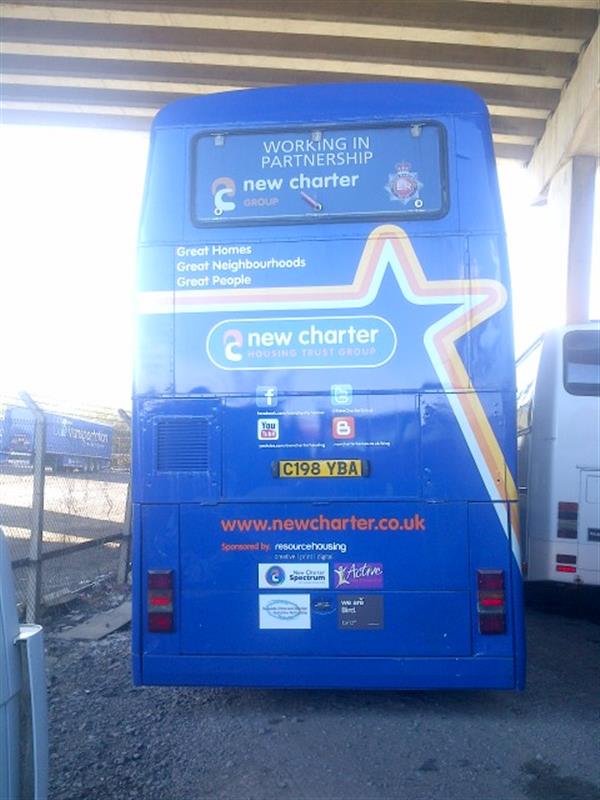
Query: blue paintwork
364	672
206	367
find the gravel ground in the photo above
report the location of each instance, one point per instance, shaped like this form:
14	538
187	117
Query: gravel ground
110	740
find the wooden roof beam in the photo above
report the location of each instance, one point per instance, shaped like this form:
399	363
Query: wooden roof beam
255	18
371	69
573	128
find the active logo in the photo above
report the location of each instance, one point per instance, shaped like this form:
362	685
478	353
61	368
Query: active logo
268	430
343	427
222	188
358	575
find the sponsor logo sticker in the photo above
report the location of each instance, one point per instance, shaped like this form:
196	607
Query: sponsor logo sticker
284	611
360	612
323	605
358	575
293	576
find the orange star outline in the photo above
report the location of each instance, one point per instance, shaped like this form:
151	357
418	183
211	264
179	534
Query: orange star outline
390	246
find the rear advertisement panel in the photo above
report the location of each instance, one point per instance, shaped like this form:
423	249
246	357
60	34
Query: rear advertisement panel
320	173
298	579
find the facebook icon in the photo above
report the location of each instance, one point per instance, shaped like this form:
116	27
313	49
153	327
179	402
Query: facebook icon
266	396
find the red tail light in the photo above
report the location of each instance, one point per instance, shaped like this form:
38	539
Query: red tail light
160	623
566	563
160	601
160	579
492	623
491	602
567	520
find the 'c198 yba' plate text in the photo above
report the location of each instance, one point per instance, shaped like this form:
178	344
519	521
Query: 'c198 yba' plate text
322	468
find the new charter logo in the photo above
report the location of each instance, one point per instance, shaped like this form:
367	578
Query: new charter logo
232	344
301	343
221	189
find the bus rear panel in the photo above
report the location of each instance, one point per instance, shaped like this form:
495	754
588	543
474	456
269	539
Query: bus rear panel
324	407
559	457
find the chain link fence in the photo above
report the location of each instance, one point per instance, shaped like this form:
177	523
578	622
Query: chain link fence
64	497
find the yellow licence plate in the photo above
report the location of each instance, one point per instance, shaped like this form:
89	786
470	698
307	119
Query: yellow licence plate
322	468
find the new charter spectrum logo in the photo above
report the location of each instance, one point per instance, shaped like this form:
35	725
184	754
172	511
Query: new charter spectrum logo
275	575
301	343
288	576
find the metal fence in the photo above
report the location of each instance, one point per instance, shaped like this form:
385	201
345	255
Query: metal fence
66	519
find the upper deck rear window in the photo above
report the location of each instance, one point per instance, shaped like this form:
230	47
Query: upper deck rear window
315	174
582	362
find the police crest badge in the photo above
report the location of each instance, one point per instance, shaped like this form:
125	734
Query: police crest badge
404	185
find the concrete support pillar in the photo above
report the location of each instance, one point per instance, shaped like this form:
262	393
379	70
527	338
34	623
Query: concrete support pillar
563	168
568	246
581	219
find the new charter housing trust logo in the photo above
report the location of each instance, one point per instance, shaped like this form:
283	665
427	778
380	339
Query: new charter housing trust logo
221	189
232	345
301	343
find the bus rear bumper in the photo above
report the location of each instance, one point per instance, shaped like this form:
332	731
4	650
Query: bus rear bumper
329	673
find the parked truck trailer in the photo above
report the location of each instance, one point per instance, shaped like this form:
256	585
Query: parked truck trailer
71	443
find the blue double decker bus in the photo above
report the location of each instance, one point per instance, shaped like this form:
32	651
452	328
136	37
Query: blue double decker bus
324	403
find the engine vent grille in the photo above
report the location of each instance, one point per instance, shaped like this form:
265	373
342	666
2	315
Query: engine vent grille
182	445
